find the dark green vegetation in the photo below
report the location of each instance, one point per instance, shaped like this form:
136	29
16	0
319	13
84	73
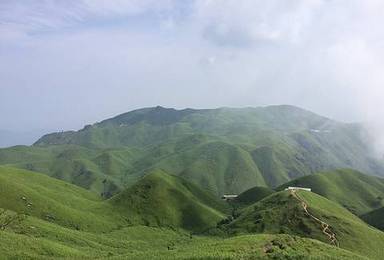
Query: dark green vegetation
222	150
253	195
146	185
375	218
355	191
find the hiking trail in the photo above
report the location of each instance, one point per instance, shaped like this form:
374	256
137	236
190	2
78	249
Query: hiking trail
325	228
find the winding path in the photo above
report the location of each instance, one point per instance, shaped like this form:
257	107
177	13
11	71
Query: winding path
325	228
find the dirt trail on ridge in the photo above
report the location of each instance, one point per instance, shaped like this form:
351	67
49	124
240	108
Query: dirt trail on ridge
325	228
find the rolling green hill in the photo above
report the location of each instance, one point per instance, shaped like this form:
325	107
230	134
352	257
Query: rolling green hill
34	194
223	150
156	200
283	213
216	166
357	192
45	218
96	170
163	200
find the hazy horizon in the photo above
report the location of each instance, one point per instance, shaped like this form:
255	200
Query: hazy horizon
65	64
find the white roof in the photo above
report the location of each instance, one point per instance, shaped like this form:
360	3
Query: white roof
298	188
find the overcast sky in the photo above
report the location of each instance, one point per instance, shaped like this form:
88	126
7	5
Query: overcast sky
67	63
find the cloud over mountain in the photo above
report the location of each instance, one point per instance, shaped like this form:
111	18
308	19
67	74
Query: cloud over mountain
101	57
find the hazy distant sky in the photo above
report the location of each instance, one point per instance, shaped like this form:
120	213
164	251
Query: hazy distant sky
67	63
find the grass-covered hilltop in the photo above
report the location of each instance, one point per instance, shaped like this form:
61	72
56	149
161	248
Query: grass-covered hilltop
148	184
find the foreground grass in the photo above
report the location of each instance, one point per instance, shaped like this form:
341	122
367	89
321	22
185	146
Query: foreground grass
141	242
31	238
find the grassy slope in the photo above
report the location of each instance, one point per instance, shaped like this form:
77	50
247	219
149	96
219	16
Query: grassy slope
37	195
156	200
252	247
87	168
356	191
216	166
47	241
282	213
80	225
270	166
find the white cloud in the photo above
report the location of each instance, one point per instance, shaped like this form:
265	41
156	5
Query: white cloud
50	15
320	54
228	22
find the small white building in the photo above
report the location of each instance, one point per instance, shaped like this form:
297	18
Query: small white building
229	197
298	188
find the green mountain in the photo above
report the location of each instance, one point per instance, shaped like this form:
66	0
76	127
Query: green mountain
155	125
327	221
357	192
222	150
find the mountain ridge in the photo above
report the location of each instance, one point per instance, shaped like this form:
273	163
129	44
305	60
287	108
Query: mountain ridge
267	146
154	115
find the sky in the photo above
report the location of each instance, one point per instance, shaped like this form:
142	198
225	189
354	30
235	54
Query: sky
67	63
